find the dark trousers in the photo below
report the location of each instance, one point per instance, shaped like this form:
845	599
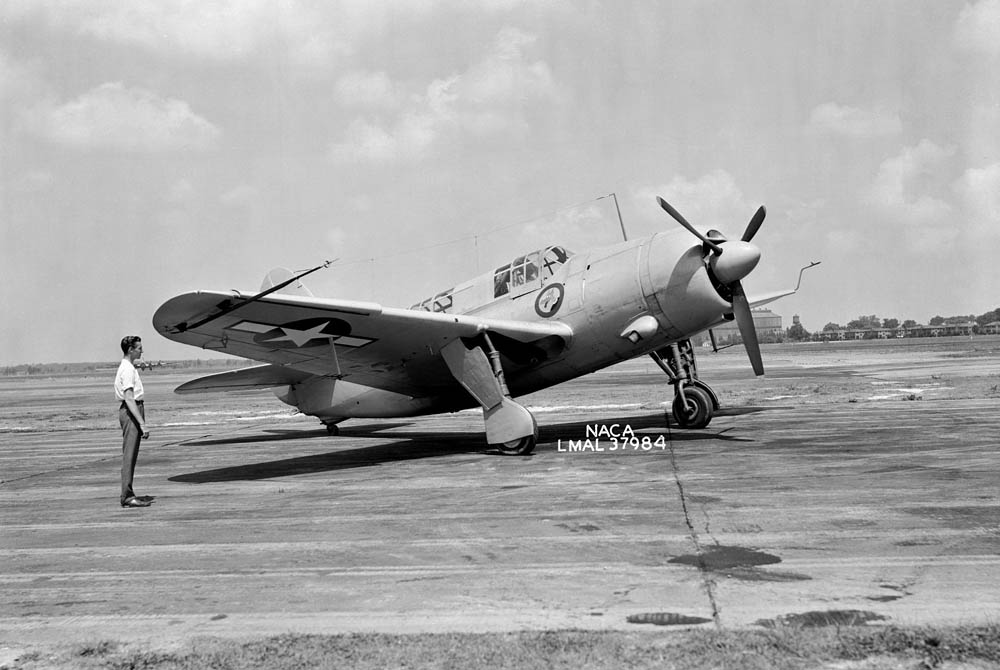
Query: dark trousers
131	437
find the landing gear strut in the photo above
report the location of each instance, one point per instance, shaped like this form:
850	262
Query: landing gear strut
694	400
475	363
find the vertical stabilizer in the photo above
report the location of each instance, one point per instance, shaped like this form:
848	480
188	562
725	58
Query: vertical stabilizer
278	275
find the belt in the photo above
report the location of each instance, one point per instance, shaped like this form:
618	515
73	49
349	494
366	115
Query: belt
137	402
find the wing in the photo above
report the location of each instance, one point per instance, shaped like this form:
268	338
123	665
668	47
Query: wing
364	342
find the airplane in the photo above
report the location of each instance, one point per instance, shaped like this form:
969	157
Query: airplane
149	365
541	319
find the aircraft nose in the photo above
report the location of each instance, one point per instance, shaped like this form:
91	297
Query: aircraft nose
735	262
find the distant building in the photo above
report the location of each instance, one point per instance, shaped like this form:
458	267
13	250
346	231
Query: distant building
766	323
965	328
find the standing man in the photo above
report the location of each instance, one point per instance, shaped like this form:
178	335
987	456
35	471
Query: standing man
132	417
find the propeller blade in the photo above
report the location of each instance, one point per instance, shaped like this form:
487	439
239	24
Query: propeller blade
754	225
691	229
744	319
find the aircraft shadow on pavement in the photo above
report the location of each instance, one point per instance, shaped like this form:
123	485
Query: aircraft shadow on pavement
429	445
747	409
278	435
416	444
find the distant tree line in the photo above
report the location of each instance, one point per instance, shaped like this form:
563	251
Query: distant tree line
30	369
872	322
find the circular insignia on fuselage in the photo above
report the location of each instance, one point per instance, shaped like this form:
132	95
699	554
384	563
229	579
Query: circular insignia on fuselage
549	300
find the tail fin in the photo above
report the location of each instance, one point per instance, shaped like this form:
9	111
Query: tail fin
278	275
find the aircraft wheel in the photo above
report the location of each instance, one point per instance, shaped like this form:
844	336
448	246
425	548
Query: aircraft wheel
708	391
521	447
698	412
332	429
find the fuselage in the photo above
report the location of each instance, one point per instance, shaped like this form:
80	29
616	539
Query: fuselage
620	302
605	292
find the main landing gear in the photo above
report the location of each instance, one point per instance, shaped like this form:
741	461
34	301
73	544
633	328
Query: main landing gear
694	401
475	363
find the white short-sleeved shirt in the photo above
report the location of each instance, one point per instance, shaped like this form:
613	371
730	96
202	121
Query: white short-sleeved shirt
128	378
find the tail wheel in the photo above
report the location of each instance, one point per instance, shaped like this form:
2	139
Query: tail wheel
696	412
520	447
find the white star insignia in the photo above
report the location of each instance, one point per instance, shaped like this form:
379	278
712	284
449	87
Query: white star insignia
301	337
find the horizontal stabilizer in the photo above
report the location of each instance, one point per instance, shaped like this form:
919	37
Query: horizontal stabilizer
766	298
760	300
247	379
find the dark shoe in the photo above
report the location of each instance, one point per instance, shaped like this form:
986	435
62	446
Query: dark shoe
135	502
146	498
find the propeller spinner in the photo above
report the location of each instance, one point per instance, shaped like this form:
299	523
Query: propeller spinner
739	259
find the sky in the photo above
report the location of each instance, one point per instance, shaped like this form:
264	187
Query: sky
154	147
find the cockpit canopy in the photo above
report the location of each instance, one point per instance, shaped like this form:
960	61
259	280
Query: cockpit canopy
522	275
529	271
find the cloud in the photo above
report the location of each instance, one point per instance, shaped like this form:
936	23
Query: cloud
977	28
978	191
218	30
490	98
897	181
967	206
925	223
367	89
713	200
578	228
306	35
128	119
853	121
491	93
366	142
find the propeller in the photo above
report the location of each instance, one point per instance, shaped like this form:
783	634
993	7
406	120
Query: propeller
681	220
754	225
731	261
744	319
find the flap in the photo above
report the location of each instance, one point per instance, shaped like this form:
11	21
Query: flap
258	377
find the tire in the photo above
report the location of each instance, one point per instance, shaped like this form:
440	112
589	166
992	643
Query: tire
708	390
699	411
521	447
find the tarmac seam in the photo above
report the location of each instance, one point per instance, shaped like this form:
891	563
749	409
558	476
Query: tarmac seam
707	580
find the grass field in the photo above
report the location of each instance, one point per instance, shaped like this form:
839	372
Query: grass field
790	647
